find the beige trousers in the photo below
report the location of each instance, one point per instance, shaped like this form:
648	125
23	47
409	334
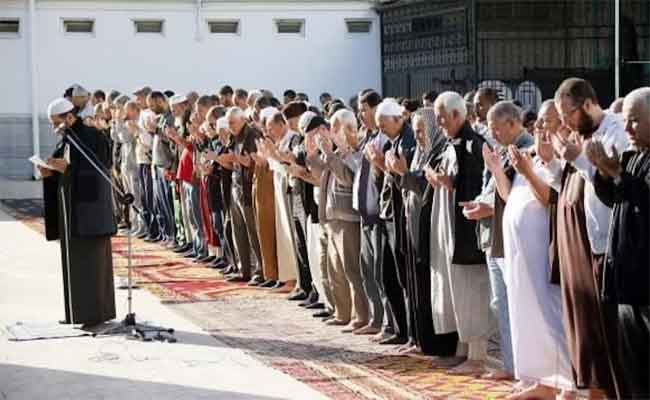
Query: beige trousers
344	272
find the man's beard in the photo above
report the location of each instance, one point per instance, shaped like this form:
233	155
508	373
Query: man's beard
586	125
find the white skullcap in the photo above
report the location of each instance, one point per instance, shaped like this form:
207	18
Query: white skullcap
59	106
389	108
222	123
305	119
268	112
177	99
79	91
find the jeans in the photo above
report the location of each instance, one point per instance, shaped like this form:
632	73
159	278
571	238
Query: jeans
199	245
146	186
162	205
499	307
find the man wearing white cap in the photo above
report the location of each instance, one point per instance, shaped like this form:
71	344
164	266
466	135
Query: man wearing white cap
401	144
81	101
79	212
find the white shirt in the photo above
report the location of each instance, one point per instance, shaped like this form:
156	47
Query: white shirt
611	132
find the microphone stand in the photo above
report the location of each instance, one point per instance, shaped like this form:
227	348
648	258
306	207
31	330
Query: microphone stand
128	326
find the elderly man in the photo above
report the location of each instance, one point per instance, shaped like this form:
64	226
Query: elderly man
247	247
583	226
341	220
430	143
400	144
81	219
460	286
505	126
624	183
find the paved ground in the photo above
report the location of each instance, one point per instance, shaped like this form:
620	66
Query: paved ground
198	367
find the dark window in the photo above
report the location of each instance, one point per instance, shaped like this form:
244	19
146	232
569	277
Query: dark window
231	27
358	26
153	26
78	26
291	26
10	26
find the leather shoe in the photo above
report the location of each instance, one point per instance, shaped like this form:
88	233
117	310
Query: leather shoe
322	314
297	296
315	306
153	239
229	270
143	235
393	340
237	279
217	264
190	254
182	249
256	281
202	259
277	285
268	284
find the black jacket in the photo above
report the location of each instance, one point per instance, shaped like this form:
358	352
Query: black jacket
468	183
627	263
91	213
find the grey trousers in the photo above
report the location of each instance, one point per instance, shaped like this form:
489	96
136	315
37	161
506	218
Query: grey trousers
244	232
192	206
370	260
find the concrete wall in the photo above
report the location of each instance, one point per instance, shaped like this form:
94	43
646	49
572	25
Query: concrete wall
325	58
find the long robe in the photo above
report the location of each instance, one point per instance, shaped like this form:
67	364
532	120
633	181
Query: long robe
283	224
418	209
459	279
79	212
627	268
539	345
583	311
264	206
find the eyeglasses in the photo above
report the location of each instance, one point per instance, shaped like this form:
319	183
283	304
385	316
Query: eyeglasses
566	116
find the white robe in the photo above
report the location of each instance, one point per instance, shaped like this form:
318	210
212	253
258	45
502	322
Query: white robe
283	224
460	294
539	344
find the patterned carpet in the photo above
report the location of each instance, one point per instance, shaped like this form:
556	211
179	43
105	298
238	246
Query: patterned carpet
284	336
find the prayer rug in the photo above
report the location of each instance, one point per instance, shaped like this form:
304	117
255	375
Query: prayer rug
341	366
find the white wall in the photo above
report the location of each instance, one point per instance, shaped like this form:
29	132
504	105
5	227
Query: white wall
327	58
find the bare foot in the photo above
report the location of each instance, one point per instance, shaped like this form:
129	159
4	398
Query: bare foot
535	392
469	367
498	375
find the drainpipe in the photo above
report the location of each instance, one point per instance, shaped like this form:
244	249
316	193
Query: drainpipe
36	138
199	36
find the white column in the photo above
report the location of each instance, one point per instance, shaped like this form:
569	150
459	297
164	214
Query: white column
36	138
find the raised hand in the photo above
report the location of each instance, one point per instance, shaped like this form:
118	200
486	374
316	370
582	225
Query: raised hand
521	161
396	164
571	147
325	144
608	166
544	147
491	159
